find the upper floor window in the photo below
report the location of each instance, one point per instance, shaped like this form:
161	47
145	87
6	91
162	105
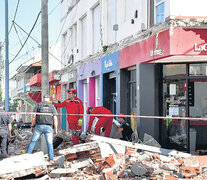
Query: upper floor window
96	29
159	11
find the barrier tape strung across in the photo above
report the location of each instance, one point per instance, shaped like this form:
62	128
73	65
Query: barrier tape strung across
134	116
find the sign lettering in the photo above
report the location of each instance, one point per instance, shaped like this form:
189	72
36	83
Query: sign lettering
199	48
108	63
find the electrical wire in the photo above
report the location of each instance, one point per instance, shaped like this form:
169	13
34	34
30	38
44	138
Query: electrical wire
40	22
39	43
17	6
26	38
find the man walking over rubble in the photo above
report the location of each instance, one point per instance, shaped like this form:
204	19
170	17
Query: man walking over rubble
73	106
5	126
125	128
104	121
43	124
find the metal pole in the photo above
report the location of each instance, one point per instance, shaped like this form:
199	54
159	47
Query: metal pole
0	62
6	58
45	71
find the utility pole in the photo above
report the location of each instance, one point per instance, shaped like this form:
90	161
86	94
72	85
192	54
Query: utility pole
1	63
6	58
45	69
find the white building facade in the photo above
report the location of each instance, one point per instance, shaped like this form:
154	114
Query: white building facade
152	57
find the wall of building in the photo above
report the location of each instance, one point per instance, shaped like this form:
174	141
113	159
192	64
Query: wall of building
187	8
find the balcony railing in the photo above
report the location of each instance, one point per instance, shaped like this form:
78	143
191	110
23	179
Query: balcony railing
35	80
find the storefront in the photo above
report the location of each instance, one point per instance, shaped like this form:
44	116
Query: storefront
171	81
89	86
109	79
68	80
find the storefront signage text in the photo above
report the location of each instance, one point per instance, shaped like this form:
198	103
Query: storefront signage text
108	63
156	51
200	48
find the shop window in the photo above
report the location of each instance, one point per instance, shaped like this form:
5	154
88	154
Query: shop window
198	69
159	11
174	70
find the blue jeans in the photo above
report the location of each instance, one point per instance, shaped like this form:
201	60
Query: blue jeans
38	131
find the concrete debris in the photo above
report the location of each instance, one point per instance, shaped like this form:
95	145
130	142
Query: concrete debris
150	141
105	158
23	165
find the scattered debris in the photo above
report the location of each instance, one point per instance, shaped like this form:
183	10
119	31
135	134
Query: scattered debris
106	158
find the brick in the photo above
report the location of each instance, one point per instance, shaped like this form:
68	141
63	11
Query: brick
180	161
71	156
110	161
188	171
170	177
155	178
109	175
155	156
202	160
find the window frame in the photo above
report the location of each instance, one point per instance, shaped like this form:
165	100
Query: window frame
155	10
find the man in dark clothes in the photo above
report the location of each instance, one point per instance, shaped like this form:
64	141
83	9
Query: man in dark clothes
5	125
125	128
43	124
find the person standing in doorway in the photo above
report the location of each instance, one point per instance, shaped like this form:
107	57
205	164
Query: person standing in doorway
104	121
73	106
43	124
5	131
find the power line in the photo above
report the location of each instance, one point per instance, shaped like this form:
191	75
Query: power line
38	43
40	23
17	6
27	37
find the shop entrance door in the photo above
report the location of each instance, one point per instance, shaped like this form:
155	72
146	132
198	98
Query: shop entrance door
109	93
174	131
198	109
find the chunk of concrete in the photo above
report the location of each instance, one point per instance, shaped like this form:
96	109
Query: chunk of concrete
63	172
23	165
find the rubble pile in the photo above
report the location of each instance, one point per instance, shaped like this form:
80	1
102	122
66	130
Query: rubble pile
103	160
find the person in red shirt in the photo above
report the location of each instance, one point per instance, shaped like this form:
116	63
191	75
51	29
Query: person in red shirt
73	106
104	121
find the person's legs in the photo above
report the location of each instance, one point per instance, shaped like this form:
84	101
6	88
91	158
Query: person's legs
4	143
108	125
98	126
75	138
35	137
48	132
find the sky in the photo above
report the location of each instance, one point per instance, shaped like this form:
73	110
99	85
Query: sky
25	17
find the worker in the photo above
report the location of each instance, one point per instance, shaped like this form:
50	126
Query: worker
5	131
104	121
43	124
73	106
125	128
